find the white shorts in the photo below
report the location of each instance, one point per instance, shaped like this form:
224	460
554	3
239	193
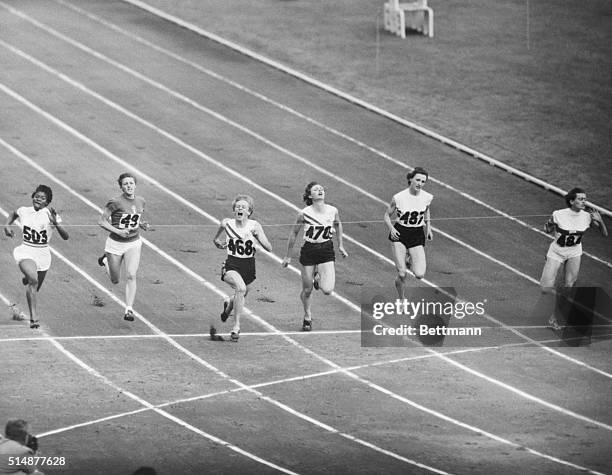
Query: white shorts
40	255
562	254
120	248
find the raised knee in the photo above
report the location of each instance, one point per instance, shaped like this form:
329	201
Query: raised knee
327	291
241	289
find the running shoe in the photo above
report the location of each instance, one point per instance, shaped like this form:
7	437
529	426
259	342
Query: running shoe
214	336
307	325
101	260
24	280
34	324
225	315
129	316
234	336
316	277
554	324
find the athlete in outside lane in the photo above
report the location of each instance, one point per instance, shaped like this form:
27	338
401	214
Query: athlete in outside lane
33	256
123	217
242	237
410	207
320	222
568	226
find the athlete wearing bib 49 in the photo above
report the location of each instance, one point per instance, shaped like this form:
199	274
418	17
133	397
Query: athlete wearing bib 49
320	222
123	218
242	237
568	225
33	256
410	209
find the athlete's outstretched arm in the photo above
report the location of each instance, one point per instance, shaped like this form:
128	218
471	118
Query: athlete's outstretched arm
338	228
299	222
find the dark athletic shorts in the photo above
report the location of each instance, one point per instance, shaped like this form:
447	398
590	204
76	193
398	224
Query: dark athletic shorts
313	253
245	267
410	237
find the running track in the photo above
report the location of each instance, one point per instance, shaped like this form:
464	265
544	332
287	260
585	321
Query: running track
91	89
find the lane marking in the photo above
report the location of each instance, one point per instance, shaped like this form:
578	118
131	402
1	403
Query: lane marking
232	172
233	124
147	405
205	363
303	348
312	121
411	125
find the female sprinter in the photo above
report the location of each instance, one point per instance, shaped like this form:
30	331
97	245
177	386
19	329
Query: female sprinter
241	238
33	256
568	225
123	218
412	225
320	221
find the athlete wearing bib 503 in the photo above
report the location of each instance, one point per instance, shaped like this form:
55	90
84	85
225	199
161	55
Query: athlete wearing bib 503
33	256
320	222
123	218
242	237
410	209
568	226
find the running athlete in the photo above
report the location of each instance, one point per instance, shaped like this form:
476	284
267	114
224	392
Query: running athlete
568	226
320	222
242	237
123	218
33	256
412	225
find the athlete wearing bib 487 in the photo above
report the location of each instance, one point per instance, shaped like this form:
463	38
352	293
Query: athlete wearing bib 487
568	226
33	256
410	208
123	217
242	237
320	222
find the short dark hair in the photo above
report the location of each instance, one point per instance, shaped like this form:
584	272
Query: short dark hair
571	195
46	190
416	171
16	429
125	175
306	197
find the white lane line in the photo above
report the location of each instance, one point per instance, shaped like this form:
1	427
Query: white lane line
246	131
326	87
96	374
238	176
306	118
291	340
206	364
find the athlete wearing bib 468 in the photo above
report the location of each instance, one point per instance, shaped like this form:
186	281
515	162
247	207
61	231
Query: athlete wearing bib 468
320	222
123	217
568	226
242	237
33	256
410	209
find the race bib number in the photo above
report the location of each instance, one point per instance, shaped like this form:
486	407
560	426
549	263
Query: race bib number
240	247
129	221
569	240
313	232
412	218
32	236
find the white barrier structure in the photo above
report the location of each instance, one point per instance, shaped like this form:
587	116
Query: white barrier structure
415	15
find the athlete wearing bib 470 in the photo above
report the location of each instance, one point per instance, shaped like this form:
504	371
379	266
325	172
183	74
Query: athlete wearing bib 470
242	237
410	208
123	217
33	256
320	222
568	226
